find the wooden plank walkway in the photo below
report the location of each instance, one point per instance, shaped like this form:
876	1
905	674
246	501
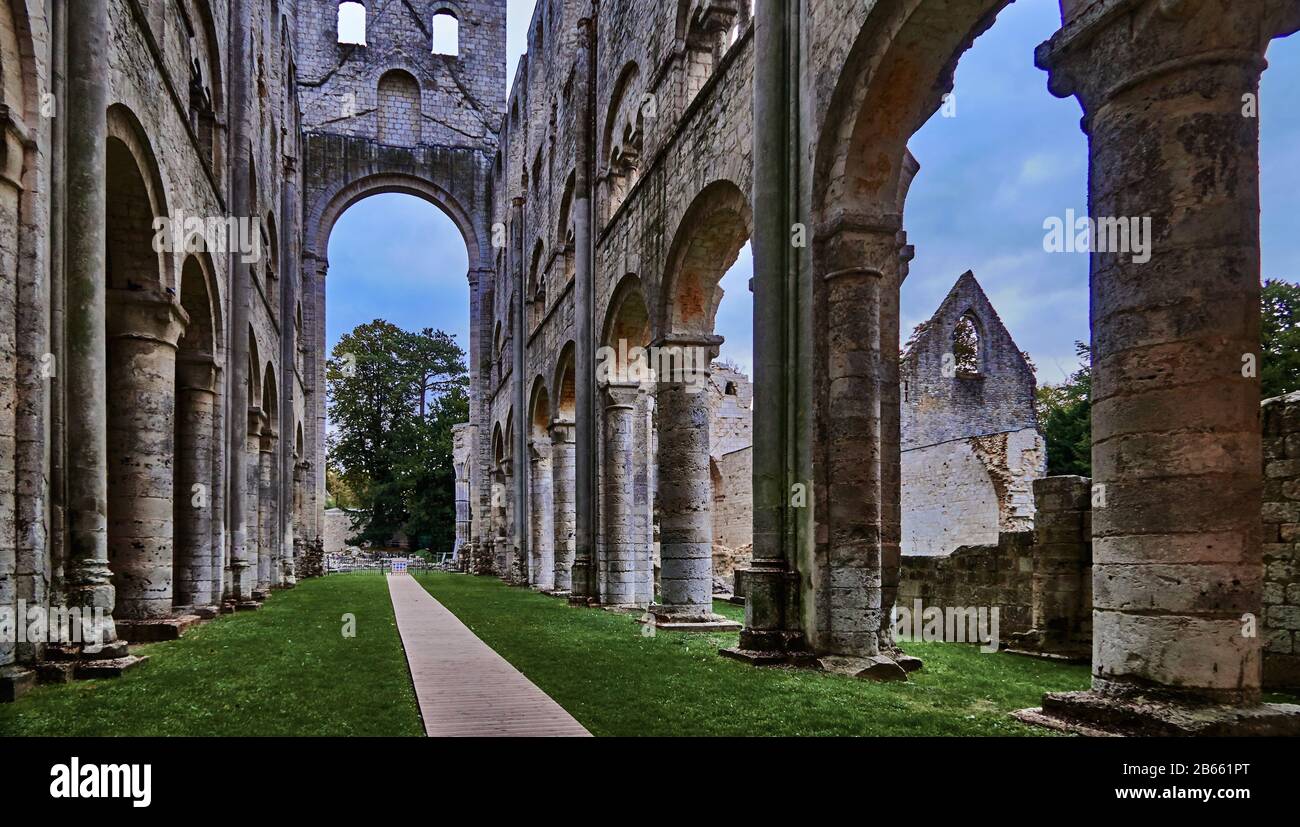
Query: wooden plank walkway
464	687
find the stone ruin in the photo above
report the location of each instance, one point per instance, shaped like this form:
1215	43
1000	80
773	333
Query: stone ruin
640	146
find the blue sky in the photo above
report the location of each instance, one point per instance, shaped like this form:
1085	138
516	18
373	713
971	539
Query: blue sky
1012	157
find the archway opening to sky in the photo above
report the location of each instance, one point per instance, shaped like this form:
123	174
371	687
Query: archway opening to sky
999	160
735	319
1279	158
399	258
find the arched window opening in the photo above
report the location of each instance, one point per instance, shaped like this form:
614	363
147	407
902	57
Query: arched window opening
966	347
352	24
446	34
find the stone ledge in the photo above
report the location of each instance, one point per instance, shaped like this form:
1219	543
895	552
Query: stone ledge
1088	713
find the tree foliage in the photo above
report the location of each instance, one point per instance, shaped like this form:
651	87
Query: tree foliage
1279	371
1065	419
394	397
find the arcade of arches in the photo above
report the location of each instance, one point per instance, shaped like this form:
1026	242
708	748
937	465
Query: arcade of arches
161	405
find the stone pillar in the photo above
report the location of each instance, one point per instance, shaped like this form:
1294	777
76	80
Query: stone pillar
685	487
512	569
773	619
88	580
562	494
585	569
858	264
143	330
621	542
1177	566
252	574
643	436
195	453
1061	603
541	544
242	524
268	535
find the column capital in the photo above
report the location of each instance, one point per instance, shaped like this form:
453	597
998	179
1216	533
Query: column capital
562	431
196	371
858	245
145	314
620	394
256	417
1109	47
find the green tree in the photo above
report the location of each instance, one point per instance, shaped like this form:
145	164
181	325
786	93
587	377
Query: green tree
1279	371
1065	419
394	397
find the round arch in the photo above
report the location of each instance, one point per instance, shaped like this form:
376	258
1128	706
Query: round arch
539	411
708	241
627	319
564	383
344	196
136	182
900	67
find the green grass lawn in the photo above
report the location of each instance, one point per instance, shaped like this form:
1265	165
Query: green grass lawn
617	682
283	670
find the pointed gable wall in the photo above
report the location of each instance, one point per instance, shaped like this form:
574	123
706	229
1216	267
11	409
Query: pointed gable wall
939	408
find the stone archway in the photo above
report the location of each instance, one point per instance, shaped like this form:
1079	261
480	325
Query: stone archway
710	237
1181	481
341	171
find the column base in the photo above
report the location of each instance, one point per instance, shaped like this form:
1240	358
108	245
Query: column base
771	648
564	593
1088	713
15	682
66	662
676	619
155	630
582	601
261	595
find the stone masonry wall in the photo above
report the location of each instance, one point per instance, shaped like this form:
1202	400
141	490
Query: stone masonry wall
1280	627
1040	580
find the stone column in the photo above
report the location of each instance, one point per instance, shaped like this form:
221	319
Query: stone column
242	524
88	580
585	569
268	535
143	329
562	488
195	453
621	542
507	556
1177	567
253	574
644	491
541	515
685	487
773	622
858	263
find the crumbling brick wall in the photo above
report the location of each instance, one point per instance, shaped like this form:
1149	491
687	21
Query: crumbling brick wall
1041	580
1280	624
999	575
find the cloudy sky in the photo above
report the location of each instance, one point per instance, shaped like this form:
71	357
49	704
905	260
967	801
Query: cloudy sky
1011	158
